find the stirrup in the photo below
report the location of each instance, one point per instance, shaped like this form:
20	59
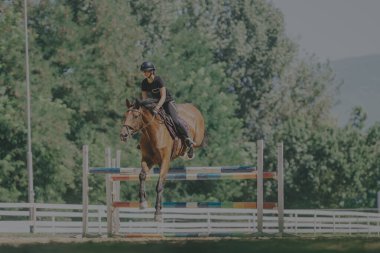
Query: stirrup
189	142
190	153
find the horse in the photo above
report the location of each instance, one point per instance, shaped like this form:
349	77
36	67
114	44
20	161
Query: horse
157	146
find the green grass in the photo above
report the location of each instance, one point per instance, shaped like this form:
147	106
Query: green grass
197	246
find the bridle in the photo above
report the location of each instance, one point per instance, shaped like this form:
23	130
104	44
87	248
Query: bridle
130	131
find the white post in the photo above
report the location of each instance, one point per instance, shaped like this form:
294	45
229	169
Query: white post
260	185
208	223
29	158
117	194
85	191
368	226
108	192
333	222
53	221
378	201
253	221
100	211
280	187
315	222
109	205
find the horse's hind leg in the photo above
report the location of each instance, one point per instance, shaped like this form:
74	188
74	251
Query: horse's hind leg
145	167
159	190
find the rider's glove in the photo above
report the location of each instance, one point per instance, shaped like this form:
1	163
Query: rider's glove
155	111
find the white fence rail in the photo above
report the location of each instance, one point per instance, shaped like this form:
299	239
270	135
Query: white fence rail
65	218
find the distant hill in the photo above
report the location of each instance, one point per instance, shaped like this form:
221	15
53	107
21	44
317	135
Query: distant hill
361	76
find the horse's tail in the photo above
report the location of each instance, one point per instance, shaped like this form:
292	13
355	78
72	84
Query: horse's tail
204	142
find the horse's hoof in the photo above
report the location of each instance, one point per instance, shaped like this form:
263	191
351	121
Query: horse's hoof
158	217
143	205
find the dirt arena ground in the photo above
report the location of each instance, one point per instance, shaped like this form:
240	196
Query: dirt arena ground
73	244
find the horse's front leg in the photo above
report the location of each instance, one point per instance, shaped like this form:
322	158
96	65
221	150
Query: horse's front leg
164	168
145	167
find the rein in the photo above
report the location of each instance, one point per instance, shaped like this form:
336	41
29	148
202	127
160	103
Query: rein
131	132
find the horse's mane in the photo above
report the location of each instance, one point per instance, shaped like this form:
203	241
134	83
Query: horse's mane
149	103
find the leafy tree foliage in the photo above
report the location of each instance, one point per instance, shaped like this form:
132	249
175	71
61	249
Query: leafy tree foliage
53	155
231	59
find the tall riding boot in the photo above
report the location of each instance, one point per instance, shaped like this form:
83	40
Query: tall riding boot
172	111
185	135
189	143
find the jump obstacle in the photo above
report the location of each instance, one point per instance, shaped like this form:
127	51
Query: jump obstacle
114	173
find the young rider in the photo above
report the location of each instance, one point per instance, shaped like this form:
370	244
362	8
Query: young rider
154	86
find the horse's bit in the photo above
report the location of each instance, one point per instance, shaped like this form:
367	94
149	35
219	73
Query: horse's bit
130	130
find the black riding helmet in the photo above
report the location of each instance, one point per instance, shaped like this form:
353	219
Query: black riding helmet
147	66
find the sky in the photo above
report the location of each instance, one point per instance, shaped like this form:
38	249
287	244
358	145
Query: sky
333	29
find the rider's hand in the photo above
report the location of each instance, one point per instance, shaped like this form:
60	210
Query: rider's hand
155	111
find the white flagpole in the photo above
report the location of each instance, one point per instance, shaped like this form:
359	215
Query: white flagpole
29	155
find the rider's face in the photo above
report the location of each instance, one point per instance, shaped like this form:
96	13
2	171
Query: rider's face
148	74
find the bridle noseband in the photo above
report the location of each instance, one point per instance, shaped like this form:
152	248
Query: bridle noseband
130	131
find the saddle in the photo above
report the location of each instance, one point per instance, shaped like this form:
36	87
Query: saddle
169	123
179	146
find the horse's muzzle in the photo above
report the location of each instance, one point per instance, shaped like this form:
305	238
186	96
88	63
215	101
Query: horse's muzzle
123	137
125	133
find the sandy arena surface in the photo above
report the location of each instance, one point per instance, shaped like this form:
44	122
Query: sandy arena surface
20	239
368	243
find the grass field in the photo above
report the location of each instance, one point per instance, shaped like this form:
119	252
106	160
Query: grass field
293	245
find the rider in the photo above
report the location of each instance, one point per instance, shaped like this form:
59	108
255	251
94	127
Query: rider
155	87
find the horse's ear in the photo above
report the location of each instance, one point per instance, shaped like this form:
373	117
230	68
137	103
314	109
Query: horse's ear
137	102
127	103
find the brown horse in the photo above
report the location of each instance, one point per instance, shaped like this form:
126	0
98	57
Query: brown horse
156	144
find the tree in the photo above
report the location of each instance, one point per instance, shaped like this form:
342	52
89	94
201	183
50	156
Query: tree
358	117
371	179
248	36
50	160
231	59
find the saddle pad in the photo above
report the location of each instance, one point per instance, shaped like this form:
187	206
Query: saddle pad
169	123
